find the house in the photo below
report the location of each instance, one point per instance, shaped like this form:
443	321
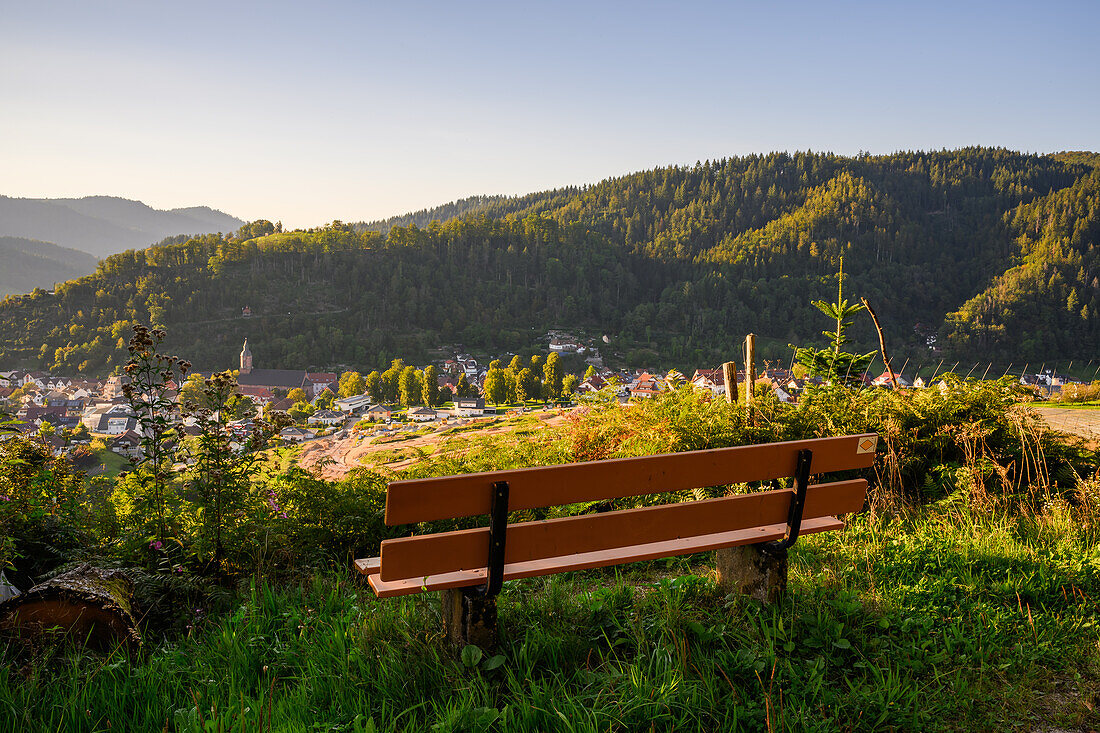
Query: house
645	386
321	381
782	394
127	444
37	415
352	405
114	385
259	395
296	435
279	403
469	407
38	379
325	417
709	379
55	443
883	380
564	346
420	414
109	418
595	384
55	396
377	412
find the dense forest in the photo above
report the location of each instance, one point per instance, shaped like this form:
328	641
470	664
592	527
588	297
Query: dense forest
993	251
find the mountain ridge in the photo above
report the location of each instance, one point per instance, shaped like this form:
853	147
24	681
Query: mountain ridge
28	264
676	264
103	225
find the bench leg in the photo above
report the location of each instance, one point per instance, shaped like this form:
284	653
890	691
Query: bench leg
469	618
752	571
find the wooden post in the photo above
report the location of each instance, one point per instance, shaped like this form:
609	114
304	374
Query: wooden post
751	571
469	618
750	369
729	376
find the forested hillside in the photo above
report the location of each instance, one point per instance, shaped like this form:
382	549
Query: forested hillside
994	251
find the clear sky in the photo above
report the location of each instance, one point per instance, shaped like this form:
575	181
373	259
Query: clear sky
313	111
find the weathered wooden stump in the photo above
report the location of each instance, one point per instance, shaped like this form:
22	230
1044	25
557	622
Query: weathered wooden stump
470	618
85	603
752	571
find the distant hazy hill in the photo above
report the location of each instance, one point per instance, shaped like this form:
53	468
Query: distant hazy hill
104	225
26	264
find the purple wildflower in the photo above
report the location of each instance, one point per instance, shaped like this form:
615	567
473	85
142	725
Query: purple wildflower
156	544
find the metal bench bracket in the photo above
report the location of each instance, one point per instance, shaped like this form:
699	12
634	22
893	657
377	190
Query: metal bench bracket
498	530
798	503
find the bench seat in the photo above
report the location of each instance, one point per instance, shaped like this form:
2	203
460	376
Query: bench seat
587	560
479	559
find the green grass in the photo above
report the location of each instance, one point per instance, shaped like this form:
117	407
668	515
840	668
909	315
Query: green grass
1074	405
946	620
113	464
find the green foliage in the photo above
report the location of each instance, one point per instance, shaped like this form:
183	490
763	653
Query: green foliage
409	388
429	380
373	385
464	388
219	481
938	622
325	399
833	365
46	511
552	374
674	262
495	386
151	400
1046	305
352	384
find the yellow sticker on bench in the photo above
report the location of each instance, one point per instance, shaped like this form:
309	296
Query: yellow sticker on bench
867	444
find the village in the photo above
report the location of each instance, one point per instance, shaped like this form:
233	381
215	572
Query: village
70	413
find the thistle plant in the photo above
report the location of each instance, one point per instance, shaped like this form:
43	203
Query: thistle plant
149	394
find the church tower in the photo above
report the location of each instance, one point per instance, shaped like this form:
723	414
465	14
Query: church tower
246	359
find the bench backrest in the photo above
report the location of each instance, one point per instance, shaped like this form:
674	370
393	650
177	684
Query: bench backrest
467	495
591	539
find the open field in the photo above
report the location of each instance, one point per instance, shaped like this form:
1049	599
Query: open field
333	458
1080	421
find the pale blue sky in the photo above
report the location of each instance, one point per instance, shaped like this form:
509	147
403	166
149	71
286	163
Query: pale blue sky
309	112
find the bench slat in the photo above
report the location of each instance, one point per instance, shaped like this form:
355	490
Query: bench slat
450	497
368	565
419	556
599	559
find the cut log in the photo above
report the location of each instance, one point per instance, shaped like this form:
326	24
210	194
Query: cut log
86	603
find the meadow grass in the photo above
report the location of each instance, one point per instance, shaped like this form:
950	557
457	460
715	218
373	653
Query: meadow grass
945	619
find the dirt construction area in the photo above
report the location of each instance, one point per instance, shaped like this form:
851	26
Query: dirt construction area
333	458
1085	423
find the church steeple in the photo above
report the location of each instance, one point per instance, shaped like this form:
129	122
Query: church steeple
246	359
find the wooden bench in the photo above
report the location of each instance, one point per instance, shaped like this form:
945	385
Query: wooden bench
470	565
